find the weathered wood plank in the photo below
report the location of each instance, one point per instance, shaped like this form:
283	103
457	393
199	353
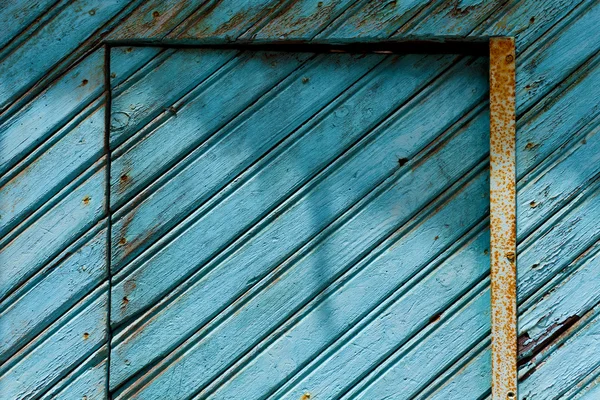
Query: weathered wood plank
55	168
590	392
153	20
218	238
226	19
53	41
477	371
87	381
549	188
159	87
364	290
373	19
298	19
16	15
526	21
249	77
413	366
564	300
62	286
562	51
471	382
550	140
559	372
44	362
50	110
125	61
451	18
562	238
217	162
551	124
234	272
24	255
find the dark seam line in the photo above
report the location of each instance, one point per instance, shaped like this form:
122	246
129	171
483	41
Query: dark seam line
107	150
478	46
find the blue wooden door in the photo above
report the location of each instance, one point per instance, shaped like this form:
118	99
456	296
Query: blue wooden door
295	225
278	334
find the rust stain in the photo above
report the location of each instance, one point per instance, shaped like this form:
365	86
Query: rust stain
503	218
305	396
529	348
87	200
129	286
124	179
289	22
128	244
86	336
124	304
531	146
435	318
457	11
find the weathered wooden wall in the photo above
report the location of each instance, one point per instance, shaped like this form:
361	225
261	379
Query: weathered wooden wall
54	289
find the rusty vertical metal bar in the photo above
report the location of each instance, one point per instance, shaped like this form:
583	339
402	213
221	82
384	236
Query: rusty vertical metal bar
503	218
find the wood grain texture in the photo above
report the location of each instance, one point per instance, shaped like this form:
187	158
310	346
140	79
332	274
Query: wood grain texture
255	259
53	217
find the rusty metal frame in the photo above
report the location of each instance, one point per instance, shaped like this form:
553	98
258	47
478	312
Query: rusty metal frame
503	221
501	51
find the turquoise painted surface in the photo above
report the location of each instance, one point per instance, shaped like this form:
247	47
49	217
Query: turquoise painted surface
207	280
